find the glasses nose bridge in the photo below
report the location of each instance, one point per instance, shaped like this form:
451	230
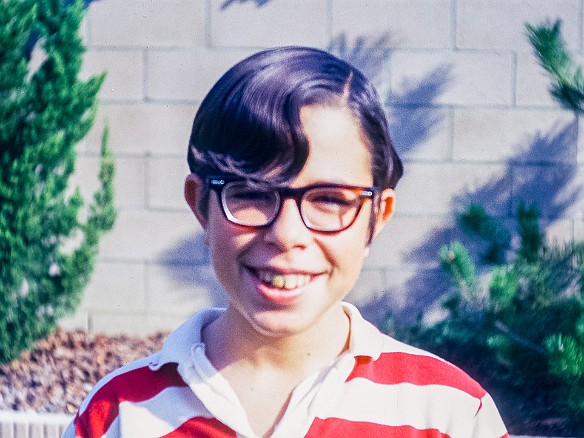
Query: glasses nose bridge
290	193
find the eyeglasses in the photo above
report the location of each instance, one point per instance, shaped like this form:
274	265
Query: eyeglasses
327	208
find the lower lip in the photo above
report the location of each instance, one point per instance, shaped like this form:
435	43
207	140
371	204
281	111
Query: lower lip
277	295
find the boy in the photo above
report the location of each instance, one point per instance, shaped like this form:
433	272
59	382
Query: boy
292	177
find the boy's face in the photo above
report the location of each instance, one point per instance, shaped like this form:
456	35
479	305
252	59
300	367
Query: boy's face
286	279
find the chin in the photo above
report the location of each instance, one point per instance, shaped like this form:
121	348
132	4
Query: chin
277	325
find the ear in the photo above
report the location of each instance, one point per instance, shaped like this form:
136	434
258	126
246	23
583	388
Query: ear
194	189
385	210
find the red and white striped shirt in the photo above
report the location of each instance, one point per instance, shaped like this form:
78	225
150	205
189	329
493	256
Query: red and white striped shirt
379	388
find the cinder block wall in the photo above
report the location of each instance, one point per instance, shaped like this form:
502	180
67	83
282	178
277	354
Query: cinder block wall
468	107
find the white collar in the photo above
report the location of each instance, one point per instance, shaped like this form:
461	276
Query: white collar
364	340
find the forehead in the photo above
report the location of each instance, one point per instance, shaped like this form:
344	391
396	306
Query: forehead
337	150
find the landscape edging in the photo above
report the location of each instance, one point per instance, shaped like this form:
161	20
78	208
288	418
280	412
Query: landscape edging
19	424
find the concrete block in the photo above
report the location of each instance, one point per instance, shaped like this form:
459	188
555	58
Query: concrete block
163	323
541	136
414	292
401	293
558	232
370	283
84	30
276	23
369	295
180	290
421	133
532	84
136	324
579	230
116	286
397	291
404	23
580	157
115	323
452	78
141	235
125	73
409	241
154	23
368	56
558	191
85	176
53	430
129	181
78	321
437	189
143	128
500	24
187	75
166	177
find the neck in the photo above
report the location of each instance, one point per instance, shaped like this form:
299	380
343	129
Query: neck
232	340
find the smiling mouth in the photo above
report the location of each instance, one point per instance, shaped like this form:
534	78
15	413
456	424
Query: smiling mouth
283	281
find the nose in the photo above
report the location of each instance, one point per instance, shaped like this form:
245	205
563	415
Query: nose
288	230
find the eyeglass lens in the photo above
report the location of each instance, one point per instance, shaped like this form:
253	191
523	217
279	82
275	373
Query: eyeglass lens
321	208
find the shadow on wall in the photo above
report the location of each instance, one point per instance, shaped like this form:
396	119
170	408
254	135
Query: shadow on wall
550	188
530	176
196	272
369	55
414	118
412	124
259	3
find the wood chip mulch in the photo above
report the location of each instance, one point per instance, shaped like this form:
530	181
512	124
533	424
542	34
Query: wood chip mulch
58	373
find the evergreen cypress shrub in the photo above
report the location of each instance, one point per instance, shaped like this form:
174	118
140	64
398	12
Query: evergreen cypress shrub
47	248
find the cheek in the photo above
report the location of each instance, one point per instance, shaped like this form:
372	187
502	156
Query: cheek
347	250
227	244
220	239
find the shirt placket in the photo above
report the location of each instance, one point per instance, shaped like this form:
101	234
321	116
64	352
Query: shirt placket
315	397
215	392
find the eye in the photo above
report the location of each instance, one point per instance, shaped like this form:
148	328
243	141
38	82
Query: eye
249	195
242	193
332	198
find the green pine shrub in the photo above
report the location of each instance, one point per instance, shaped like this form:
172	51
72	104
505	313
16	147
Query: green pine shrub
518	316
521	321
567	86
48	238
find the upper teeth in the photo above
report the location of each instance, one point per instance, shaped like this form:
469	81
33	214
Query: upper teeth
284	281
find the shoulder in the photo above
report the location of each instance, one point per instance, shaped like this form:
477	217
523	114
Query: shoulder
150	381
134	381
399	363
405	385
383	360
137	381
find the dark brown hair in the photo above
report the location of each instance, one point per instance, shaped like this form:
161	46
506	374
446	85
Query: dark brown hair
248	125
